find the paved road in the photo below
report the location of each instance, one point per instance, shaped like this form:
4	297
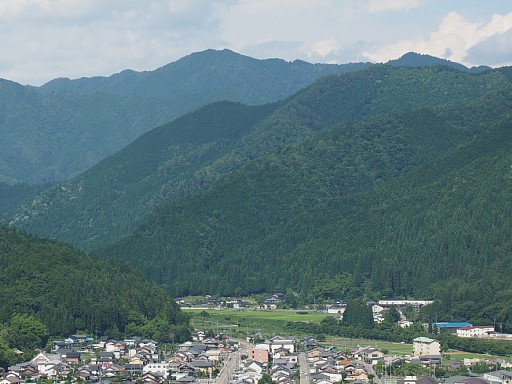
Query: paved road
370	370
304	368
231	364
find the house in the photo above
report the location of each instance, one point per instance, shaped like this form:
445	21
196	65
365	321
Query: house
336	309
499	377
371	355
10	379
423	346
45	362
430	360
162	369
417	380
259	353
281	342
206	367
253	366
69	355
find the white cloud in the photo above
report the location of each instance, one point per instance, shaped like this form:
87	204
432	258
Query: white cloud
453	39
44	39
324	48
377	6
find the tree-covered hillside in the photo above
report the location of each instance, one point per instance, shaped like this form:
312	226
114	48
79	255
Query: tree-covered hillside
56	131
176	160
14	196
363	198
115	196
68	291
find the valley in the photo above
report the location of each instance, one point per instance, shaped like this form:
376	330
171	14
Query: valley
322	188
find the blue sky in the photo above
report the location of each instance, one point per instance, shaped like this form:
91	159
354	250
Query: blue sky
44	39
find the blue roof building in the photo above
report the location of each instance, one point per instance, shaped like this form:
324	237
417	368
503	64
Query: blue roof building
451	327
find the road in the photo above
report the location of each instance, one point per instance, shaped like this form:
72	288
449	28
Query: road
231	364
370	370
304	368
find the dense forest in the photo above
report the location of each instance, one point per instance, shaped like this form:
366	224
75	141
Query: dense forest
53	132
66	291
177	160
383	182
408	212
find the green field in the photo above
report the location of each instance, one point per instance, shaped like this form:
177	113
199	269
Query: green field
241	323
284	315
248	322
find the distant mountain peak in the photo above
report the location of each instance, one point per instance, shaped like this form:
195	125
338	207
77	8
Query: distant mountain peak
414	59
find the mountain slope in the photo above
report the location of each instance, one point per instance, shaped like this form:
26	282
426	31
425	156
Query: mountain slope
300	214
112	198
118	193
69	291
412	59
14	196
66	126
203	77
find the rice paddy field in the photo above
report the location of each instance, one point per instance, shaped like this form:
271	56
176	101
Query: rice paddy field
269	323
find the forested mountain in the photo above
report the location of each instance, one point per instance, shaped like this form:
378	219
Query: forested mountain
15	195
413	59
52	132
69	291
176	160
348	200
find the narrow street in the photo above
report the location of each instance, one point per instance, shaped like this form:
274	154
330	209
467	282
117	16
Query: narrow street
304	368
370	370
231	363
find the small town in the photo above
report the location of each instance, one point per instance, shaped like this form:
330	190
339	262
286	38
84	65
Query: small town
218	358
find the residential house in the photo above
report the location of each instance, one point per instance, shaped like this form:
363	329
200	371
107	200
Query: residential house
10	379
336	309
281	342
161	368
417	380
499	377
45	362
205	367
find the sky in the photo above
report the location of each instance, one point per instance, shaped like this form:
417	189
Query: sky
45	39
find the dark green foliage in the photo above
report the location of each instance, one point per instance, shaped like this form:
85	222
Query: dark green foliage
297	217
392	315
412	59
49	288
176	160
393	181
13	196
25	332
163	165
358	314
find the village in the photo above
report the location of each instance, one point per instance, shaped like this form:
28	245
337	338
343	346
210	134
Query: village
216	358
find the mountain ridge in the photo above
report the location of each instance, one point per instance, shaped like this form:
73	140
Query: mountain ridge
58	130
331	100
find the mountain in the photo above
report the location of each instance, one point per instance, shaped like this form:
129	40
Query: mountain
331	205
177	160
14	196
61	129
413	59
69	291
203	77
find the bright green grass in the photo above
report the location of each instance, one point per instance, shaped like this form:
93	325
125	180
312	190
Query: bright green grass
269	323
284	315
